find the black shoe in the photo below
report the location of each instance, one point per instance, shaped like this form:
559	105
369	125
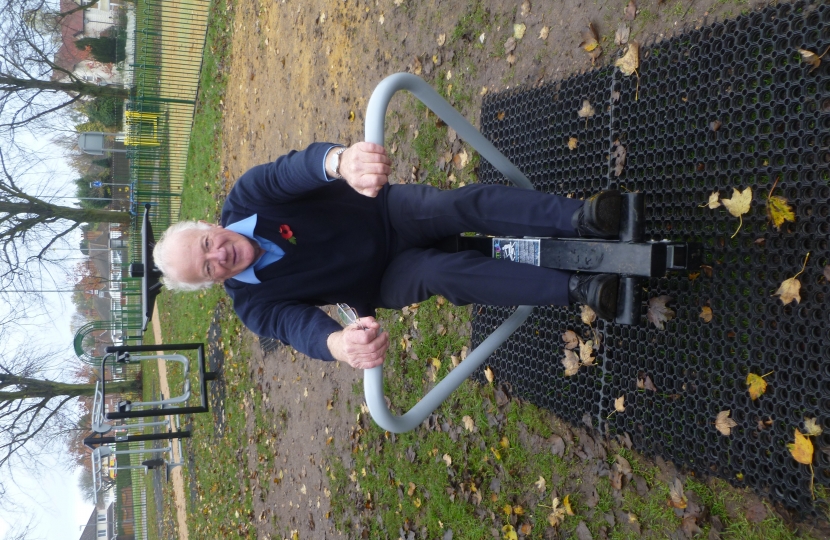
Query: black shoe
597	291
599	217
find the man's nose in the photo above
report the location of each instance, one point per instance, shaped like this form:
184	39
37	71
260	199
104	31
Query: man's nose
217	255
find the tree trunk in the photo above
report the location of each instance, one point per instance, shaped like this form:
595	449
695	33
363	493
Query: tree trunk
39	388
13	84
78	215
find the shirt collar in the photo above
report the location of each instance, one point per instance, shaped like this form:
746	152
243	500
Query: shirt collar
246	227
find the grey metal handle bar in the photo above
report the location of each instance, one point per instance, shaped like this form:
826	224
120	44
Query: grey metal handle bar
373	378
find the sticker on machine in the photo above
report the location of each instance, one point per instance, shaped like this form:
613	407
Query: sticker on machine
523	250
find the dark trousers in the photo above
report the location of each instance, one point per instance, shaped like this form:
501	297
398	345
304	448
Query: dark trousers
422	215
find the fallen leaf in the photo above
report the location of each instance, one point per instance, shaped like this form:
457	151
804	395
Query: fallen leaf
586	111
811	427
757	385
441	39
571	363
509	532
619	404
351	116
630	11
789	291
469	425
543	33
779	210
619	155
801	449
827	272
416	66
459	160
714	126
519	30
541	485
500	116
525	8
812	58
504	442
518	510
586	353
693	275
571	340
714	201
678	498
435	363
658	313
588	315
621	37
615	96
510	45
723	423
589	38
447	459
572	143
738	205
381	19
648	384
488	374
566	504
630	61
557	515
706	314
411	489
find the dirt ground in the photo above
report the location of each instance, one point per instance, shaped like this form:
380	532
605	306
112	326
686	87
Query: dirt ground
303	71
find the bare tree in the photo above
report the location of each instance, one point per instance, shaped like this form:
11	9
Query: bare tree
38	413
33	87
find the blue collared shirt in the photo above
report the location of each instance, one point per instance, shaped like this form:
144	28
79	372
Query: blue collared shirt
271	252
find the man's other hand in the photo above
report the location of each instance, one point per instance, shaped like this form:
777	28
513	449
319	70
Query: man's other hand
366	167
361	349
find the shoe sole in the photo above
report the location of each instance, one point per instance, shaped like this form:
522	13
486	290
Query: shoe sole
607	306
608	212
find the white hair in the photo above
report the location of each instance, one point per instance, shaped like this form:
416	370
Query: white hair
165	258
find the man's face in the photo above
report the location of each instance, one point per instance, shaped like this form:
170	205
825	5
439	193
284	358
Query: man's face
214	254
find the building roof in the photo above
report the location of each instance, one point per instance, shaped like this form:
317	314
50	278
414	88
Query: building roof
71	27
90	532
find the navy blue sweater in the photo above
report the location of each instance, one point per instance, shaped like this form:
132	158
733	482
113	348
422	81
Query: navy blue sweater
343	246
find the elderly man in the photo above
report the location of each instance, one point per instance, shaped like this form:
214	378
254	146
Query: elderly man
322	226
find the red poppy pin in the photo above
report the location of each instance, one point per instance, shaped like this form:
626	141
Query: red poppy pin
285	232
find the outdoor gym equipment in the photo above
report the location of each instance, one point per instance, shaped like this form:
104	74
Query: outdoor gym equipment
630	257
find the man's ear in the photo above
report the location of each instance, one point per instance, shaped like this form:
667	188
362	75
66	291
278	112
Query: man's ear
207	223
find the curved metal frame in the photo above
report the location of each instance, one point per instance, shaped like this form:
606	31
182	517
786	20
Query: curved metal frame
373	378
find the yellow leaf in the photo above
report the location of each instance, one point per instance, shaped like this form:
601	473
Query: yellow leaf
802	449
789	291
706	314
572	142
739	203
507	509
519	30
504	443
417	502
411	489
566	503
757	386
619	404
723	423
779	210
488	373
495	453
714	200
518	510
811	427
351	116
435	363
509	532
629	63
586	110
571	363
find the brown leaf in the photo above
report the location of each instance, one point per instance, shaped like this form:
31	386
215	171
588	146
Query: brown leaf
630	61
619	155
500	116
488	374
619	404
715	125
706	270
586	111
572	142
571	339
678	498
621	37
615	477
630	11
571	363
590	40
510	45
827	272
593	55
586	353
648	384
811	58
724	424
811	427
658	313
789	291
706	314
615	96
416	67
588	315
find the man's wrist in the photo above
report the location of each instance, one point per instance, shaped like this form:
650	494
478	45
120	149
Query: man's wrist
332	162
